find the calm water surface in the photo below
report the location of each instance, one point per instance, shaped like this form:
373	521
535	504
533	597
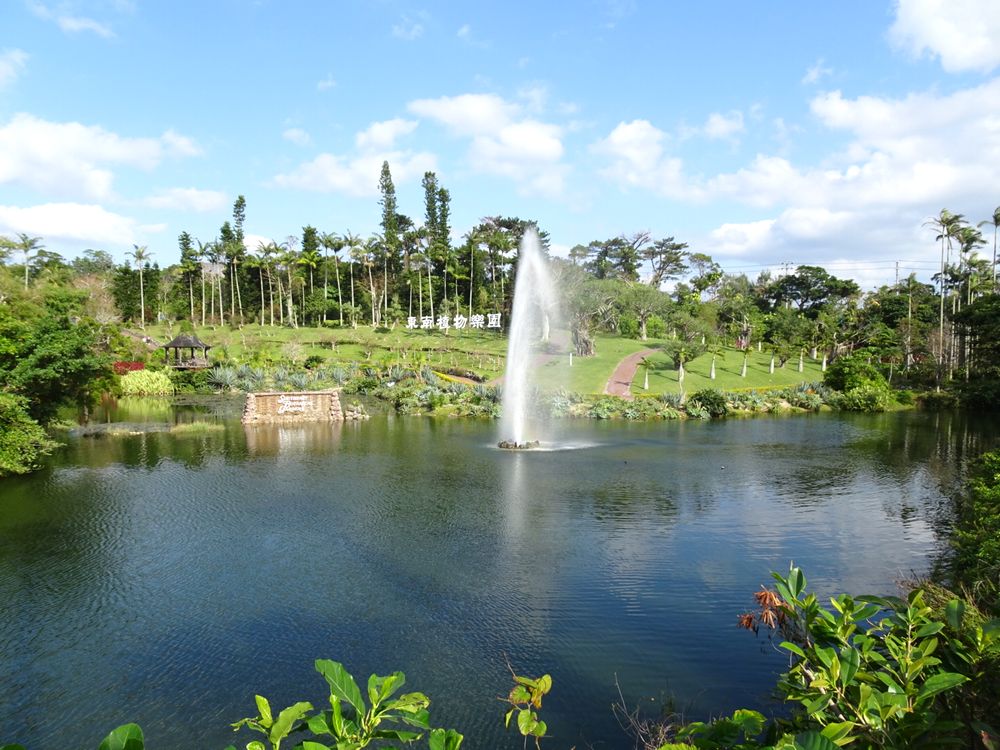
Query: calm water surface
165	579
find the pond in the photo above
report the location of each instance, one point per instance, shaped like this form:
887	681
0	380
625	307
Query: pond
165	578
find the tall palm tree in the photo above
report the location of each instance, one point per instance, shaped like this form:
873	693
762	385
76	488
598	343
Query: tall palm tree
355	247
289	258
308	259
947	225
29	247
141	255
994	221
332	242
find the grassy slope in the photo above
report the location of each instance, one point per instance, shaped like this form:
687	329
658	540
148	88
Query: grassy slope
663	376
484	352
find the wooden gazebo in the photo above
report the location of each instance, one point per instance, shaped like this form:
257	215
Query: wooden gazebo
186	342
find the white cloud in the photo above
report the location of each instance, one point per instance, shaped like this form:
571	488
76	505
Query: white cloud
383	135
73	222
326	83
464	32
408	29
636	152
12	62
534	95
502	140
297	136
961	33
467	114
724	126
355	175
816	72
905	158
72	160
69	23
358	173
187	199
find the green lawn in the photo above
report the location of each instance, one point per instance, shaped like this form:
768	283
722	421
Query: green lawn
590	374
663	375
484	352
481	351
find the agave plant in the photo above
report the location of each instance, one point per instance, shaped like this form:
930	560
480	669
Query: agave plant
299	380
280	378
338	375
223	378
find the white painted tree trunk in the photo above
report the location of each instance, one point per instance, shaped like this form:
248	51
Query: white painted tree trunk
822	367
711	374
771	369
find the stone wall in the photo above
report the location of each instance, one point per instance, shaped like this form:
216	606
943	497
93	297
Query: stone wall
301	406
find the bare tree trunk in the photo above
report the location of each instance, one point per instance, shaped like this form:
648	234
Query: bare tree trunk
340	296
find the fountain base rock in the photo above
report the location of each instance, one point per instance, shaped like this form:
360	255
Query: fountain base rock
510	445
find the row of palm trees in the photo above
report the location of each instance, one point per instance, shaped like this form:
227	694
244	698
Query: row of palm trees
418	276
963	276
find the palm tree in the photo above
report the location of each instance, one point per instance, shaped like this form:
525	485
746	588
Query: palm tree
333	242
30	247
308	259
354	245
947	225
141	255
995	222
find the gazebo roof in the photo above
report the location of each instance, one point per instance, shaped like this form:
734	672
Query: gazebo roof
187	341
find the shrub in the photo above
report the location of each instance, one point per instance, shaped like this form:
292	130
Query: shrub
628	326
190	381
147	383
711	400
656	328
121	368
313	361
851	371
905	397
866	398
23	442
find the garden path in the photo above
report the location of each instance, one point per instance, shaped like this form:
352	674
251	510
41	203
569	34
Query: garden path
621	379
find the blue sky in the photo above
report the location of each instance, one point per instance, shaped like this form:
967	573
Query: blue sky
759	133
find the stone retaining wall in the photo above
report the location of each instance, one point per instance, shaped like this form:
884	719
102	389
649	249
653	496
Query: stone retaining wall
301	406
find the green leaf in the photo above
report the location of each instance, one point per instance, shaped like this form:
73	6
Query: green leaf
310	745
125	737
11	747
397	734
826	655
813	741
264	708
930	629
507	717
788	645
320	723
837	733
954	611
797	581
286	718
850	661
256	745
545	684
341	683
540	729
445	739
519	694
939	683
526	721
751	723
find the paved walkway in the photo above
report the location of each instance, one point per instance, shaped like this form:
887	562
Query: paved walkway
621	379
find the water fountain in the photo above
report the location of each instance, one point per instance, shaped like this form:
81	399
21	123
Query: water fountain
534	305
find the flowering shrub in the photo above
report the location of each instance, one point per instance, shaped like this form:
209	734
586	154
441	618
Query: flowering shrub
121	368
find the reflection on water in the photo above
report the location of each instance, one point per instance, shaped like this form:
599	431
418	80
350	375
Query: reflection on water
184	572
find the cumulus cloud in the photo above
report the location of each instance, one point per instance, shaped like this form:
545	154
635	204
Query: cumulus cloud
961	33
73	160
905	158
355	175
383	135
12	62
297	136
503	141
358	173
187	199
87	224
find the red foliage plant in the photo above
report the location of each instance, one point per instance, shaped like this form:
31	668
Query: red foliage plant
121	368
